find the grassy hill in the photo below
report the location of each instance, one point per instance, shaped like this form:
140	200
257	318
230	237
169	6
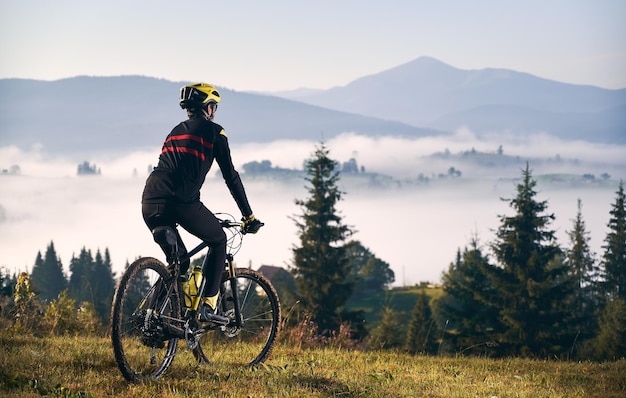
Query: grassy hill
85	367
399	299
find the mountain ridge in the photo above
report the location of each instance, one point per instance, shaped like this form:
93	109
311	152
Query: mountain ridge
425	91
424	97
90	114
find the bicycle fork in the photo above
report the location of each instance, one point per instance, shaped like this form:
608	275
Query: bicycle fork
232	279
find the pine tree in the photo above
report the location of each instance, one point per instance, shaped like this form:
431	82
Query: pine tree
610	344
467	300
7	282
386	333
614	259
81	268
92	280
583	269
48	278
321	265
103	282
421	335
137	291
530	281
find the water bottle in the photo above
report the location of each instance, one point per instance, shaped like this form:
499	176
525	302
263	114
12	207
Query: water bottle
192	287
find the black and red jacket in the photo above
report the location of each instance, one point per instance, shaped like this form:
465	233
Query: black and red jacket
186	158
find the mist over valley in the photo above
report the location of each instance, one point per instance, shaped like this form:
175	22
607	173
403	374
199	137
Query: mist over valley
405	207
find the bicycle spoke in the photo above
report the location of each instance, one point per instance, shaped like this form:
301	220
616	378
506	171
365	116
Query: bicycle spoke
144	302
251	342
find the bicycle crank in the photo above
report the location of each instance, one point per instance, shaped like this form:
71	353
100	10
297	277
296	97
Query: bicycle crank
192	336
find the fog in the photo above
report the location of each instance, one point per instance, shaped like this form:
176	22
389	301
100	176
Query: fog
416	229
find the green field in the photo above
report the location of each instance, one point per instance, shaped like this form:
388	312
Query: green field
399	299
85	367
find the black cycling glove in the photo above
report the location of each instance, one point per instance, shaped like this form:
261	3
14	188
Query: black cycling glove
250	225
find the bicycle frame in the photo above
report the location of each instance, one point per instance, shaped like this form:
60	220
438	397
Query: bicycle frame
229	267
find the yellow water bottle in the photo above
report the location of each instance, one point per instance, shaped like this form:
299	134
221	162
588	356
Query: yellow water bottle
191	288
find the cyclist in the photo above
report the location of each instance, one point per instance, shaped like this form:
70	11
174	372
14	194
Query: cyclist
172	192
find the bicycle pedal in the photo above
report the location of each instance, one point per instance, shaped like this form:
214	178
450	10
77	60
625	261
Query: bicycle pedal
206	315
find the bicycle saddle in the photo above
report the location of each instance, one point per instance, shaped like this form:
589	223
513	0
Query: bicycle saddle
166	237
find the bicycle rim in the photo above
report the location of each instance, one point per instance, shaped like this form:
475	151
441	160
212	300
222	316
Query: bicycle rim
251	343
143	302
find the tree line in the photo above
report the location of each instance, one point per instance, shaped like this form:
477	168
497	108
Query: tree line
47	290
531	296
528	296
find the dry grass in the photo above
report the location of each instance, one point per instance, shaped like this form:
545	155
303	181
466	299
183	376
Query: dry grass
85	367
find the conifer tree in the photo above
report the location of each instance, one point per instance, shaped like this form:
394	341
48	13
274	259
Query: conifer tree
421	335
81	268
583	269
530	280
614	259
321	265
103	283
610	344
137	291
92	280
466	302
386	333
8	282
48	278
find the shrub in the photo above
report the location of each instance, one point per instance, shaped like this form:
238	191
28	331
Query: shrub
304	334
28	311
60	317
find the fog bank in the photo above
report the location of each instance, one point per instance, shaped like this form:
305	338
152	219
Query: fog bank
416	229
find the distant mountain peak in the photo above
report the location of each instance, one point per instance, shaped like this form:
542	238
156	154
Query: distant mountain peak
427	92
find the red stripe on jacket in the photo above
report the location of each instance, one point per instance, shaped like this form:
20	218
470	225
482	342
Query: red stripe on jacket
189	137
185	150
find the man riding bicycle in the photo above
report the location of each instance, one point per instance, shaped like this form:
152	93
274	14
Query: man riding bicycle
172	192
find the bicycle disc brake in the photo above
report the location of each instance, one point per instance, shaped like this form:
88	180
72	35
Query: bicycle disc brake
233	330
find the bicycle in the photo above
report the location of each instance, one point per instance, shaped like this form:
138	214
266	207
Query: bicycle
153	309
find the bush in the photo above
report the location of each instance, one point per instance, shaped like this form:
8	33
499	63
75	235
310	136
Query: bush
88	319
27	309
60	317
304	335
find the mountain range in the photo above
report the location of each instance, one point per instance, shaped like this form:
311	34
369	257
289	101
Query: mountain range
425	97
431	94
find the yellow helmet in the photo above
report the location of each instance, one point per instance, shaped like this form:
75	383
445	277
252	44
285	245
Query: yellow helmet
199	95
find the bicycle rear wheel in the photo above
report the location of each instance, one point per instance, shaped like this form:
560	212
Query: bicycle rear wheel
250	341
145	303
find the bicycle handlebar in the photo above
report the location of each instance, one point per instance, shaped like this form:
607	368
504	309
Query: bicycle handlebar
229	223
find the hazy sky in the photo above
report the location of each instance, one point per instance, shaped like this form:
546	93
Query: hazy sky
281	45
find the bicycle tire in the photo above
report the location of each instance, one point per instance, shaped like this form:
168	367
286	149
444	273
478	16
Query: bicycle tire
252	343
146	297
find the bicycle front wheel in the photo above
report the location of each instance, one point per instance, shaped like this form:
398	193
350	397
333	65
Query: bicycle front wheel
250	340
145	303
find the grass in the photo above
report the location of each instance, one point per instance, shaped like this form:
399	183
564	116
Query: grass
85	367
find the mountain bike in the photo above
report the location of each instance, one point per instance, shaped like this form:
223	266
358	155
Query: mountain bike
154	307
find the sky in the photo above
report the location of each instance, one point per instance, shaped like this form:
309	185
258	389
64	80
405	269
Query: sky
284	45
